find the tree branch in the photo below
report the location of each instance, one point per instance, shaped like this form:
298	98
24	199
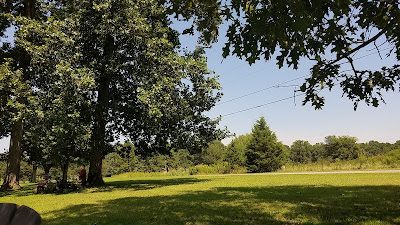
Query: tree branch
373	39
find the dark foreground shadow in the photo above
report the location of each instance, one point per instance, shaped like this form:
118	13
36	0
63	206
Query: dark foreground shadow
133	185
228	205
25	190
136	185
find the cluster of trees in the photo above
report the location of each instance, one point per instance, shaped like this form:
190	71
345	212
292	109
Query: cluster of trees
77	75
337	148
30	173
258	151
80	73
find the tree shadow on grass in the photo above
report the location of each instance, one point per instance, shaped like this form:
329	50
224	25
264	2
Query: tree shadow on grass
25	190
134	185
253	205
137	185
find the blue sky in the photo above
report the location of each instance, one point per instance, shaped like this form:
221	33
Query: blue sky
289	119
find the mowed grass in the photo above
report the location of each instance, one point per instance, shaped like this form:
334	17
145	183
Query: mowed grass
232	199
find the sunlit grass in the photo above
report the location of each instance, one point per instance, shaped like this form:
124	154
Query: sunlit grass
232	199
370	164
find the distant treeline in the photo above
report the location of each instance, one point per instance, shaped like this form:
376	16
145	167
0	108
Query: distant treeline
218	158
258	151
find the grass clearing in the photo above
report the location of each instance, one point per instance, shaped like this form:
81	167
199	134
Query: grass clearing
255	199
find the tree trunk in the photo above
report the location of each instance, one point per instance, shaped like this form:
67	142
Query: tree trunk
129	163
98	137
11	179
34	172
98	143
46	168
64	169
100	119
14	157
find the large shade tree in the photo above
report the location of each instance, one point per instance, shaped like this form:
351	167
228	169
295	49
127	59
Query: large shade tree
17	99
120	58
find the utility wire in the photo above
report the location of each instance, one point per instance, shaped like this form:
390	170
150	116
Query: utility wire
373	53
258	106
255	92
280	84
246	75
269	103
377	52
235	68
277	85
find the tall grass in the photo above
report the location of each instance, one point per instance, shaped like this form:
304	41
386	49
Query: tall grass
373	163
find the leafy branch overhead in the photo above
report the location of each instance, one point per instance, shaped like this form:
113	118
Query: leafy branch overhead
293	29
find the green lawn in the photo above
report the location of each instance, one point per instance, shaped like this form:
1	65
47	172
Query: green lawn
246	199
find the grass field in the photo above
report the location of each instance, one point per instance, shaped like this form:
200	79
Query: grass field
245	199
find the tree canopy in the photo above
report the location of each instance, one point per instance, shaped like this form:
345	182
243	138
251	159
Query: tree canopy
91	71
342	147
291	30
102	69
301	151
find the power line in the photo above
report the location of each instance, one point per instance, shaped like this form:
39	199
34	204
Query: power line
258	106
373	53
377	52
280	84
277	85
246	75
269	103
235	68
264	89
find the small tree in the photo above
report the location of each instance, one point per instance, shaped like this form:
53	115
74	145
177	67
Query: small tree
236	152
301	152
214	153
342	147
112	164
265	153
318	152
181	159
127	153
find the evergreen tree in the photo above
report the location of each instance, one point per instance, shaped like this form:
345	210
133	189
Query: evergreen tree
265	153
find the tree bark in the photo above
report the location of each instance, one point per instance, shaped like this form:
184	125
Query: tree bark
98	137
34	172
11	179
46	168
64	169
100	120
